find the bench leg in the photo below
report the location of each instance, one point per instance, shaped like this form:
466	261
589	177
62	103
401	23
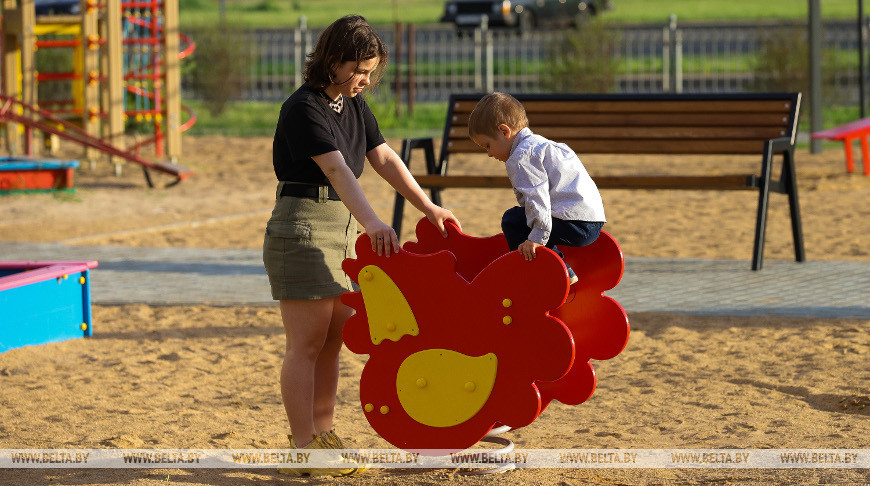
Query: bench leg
398	212
865	155
850	159
760	228
399	206
408	146
436	196
790	179
761	217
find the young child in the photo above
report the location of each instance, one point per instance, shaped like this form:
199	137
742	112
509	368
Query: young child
559	202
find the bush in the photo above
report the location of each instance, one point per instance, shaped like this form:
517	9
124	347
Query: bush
220	66
265	6
783	64
585	60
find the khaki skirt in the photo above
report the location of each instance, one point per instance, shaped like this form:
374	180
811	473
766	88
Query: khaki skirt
306	240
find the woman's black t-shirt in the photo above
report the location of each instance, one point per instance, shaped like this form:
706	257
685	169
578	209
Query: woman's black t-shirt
307	126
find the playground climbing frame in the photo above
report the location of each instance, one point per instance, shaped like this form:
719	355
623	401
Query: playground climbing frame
125	57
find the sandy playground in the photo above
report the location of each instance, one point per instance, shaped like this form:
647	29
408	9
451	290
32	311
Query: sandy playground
207	377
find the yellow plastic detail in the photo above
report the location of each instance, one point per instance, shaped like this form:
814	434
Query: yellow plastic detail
507	319
507	303
385	409
390	316
369	407
457	385
84	326
41	29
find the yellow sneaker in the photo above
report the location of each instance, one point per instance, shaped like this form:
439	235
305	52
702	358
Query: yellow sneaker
317	443
333	441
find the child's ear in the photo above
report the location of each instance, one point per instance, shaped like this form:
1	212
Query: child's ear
505	130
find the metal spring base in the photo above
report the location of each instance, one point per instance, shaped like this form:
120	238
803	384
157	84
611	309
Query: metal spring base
492	438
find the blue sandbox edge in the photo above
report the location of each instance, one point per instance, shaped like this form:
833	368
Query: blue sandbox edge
44	302
24	163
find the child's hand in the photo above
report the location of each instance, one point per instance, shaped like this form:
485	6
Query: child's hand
527	248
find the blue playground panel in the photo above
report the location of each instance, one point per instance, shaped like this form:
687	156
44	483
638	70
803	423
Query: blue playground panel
44	302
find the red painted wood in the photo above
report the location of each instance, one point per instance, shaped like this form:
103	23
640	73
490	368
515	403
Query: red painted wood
36	179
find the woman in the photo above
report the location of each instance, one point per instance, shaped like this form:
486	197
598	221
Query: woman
325	132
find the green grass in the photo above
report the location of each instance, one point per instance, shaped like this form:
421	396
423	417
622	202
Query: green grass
730	10
427	119
257	119
239	119
832	116
319	13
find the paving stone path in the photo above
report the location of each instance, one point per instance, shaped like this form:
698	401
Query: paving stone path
696	286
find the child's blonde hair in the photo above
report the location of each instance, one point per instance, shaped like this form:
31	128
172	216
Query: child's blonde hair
493	110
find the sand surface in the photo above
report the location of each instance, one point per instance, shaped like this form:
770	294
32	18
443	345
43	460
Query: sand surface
207	377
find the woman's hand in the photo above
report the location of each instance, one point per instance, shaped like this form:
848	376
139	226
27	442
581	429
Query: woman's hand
527	248
384	239
438	215
387	163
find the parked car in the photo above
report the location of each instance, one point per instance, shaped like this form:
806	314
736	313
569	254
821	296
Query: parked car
521	14
57	7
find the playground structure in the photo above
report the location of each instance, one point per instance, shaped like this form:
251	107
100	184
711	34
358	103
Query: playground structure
123	67
17	174
44	302
848	133
465	337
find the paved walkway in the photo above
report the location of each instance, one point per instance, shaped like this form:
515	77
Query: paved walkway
711	287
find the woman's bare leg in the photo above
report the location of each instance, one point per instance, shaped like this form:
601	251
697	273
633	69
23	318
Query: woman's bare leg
309	375
306	324
326	370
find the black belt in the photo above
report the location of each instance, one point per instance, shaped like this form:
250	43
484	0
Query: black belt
308	190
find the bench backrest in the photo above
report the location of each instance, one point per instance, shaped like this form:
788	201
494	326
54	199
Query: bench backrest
643	123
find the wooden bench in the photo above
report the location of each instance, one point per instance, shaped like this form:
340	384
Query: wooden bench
687	124
848	133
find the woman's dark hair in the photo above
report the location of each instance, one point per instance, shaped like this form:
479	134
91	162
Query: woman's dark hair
349	38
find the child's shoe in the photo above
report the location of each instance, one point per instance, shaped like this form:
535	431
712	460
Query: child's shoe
572	277
317	443
333	441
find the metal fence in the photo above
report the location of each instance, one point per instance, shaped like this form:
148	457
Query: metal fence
430	63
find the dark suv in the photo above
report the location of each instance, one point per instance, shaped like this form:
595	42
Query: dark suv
57	7
521	14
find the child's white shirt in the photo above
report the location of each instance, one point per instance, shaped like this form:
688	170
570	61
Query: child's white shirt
550	181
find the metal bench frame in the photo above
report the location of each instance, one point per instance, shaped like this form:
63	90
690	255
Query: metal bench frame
645	124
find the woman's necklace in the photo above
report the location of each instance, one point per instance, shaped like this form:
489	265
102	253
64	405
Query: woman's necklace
336	105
